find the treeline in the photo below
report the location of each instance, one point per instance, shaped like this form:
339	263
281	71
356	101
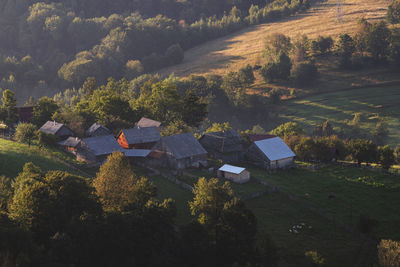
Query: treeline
47	45
56	218
326	145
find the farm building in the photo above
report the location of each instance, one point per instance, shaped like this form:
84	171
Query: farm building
270	153
258	137
97	130
71	144
25	114
139	137
233	173
57	129
182	151
225	145
96	149
145	122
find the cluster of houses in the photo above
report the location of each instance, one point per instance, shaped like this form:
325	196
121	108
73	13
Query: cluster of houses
144	145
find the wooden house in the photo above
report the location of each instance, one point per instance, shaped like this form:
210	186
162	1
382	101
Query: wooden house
57	129
236	174
96	149
97	130
270	153
145	122
71	144
139	138
182	151
224	145
25	114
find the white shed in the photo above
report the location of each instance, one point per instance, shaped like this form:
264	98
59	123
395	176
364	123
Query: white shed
236	174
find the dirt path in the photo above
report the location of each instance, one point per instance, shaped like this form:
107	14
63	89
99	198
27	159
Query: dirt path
244	47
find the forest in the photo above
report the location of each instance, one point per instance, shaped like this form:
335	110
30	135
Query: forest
49	46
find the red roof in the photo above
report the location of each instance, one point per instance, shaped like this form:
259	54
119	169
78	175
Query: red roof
259	137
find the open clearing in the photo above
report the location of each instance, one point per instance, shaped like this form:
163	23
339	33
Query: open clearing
244	47
339	106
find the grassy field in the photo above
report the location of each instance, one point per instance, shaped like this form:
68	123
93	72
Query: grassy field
13	157
237	50
356	191
337	107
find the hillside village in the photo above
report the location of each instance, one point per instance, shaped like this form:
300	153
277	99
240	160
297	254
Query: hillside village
144	146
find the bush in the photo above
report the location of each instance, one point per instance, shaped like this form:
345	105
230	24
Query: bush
386	156
393	13
47	140
174	54
389	253
304	73
25	132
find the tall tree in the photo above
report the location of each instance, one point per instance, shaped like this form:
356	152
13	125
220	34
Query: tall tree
8	104
44	110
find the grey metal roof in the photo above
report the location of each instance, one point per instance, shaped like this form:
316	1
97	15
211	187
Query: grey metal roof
275	148
141	135
95	126
223	141
231	169
102	145
145	122
140	153
70	141
51	127
183	145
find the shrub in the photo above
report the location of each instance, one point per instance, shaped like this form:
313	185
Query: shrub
174	54
314	258
47	140
304	73
389	253
25	132
386	156
393	13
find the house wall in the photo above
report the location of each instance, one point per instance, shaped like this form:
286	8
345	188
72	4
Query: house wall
240	178
285	163
256	157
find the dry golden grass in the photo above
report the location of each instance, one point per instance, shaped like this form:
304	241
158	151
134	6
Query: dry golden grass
235	51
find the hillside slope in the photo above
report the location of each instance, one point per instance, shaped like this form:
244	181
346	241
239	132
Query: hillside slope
234	51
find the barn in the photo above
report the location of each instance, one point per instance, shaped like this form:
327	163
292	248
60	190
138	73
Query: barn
224	145
71	144
236	174
96	149
145	122
139	137
97	130
57	129
182	151
271	153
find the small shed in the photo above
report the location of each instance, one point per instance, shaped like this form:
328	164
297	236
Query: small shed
57	129
182	151
236	174
270	153
71	144
139	137
145	122
224	145
96	149
97	130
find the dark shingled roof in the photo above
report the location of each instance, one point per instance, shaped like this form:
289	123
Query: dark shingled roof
51	127
183	145
70	141
95	126
145	122
102	145
137	153
223	141
140	135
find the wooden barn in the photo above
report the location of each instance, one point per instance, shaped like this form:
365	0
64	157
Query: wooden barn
182	151
236	174
96	149
224	145
271	153
139	137
57	129
97	130
25	114
145	122
71	144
